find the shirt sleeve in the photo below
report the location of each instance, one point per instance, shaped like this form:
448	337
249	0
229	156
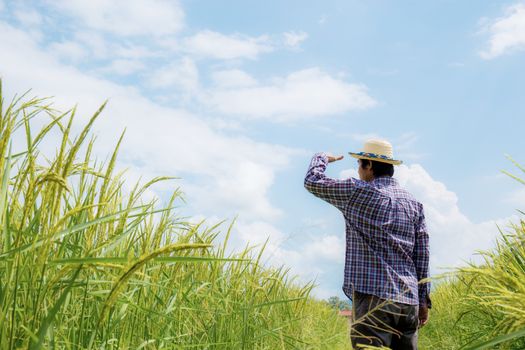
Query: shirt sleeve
333	191
421	259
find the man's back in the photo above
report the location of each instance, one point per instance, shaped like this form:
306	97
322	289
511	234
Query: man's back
382	221
387	251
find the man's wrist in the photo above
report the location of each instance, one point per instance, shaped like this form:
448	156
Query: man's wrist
322	155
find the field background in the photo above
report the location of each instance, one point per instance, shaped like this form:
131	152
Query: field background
85	264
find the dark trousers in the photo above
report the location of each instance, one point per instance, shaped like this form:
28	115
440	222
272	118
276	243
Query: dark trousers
377	322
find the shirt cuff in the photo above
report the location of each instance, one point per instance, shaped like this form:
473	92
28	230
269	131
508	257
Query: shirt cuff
322	156
424	300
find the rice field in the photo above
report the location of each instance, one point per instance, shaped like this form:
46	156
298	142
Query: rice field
483	307
87	265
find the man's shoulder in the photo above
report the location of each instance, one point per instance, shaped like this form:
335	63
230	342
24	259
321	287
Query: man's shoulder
404	194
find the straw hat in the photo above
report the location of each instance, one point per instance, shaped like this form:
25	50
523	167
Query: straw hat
378	150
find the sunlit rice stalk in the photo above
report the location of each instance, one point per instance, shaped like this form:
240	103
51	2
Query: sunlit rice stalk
85	264
483	307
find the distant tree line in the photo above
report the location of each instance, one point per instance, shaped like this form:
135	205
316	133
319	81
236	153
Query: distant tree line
338	303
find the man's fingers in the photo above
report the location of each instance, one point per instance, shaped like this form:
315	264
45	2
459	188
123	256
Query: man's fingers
423	316
334	158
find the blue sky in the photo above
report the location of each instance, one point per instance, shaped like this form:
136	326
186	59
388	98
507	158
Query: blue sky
236	96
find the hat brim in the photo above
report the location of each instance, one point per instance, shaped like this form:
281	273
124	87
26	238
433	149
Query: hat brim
377	159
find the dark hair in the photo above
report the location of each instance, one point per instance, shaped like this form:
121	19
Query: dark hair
378	168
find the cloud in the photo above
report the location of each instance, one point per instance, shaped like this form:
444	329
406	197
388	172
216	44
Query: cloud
517	198
182	74
507	33
159	140
210	44
362	138
312	258
68	50
93	48
446	222
328	248
94	42
27	16
293	39
244	187
233	78
133	51
123	67
257	232
126	17
406	149
345	174
300	95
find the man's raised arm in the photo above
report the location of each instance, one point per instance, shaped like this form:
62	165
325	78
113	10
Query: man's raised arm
335	192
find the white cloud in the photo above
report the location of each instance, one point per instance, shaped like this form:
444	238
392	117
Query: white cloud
123	67
302	94
27	16
94	42
257	232
126	17
91	46
183	74
243	186
454	238
347	173
362	138
307	261
406	149
329	248
135	52
217	45
226	124
164	140
233	78
517	198
293	39
68	50
507	33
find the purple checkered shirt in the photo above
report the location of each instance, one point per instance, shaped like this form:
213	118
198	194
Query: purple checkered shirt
387	249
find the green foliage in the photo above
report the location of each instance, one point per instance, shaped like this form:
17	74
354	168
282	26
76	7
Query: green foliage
483	307
84	264
337	303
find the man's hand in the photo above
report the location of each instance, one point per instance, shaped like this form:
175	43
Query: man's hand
423	315
333	158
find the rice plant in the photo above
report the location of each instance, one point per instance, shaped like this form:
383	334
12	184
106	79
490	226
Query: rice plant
483	306
87	265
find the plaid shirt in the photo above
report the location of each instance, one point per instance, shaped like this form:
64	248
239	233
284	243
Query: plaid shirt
387	249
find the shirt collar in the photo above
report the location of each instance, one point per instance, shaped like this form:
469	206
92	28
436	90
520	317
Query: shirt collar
385	181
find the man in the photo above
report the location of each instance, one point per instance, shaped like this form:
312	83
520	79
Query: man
387	252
